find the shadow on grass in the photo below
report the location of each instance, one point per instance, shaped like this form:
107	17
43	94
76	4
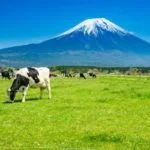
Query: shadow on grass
108	138
19	100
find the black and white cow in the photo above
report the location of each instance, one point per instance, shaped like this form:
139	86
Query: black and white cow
82	75
28	77
92	74
5	75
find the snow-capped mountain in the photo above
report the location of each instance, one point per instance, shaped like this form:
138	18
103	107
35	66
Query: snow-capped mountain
95	41
95	26
96	34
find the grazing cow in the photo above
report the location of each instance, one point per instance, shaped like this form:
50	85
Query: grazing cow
92	74
30	77
11	72
82	75
5	74
68	75
52	75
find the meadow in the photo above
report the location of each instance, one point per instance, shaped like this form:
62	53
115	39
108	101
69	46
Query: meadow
109	112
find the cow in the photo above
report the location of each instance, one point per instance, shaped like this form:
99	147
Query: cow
5	75
82	75
30	77
52	75
92	74
11	72
68	75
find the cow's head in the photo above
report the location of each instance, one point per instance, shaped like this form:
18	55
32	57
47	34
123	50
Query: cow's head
17	83
11	94
13	90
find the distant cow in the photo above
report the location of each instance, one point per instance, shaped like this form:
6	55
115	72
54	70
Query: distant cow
6	75
82	75
28	77
11	72
52	75
92	74
68	75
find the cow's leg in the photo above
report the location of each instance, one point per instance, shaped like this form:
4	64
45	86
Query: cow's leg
49	89
24	93
41	92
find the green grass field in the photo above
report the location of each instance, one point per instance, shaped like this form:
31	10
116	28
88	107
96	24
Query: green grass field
110	112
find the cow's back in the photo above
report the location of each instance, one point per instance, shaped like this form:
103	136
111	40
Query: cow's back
43	72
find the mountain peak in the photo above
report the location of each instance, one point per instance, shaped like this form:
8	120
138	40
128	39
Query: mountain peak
94	26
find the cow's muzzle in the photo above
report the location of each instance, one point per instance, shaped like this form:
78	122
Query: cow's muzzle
11	94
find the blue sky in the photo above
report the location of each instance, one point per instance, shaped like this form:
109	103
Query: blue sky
31	21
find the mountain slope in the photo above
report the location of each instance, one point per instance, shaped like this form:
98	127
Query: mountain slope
97	35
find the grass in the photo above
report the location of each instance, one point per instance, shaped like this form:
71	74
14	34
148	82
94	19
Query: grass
110	112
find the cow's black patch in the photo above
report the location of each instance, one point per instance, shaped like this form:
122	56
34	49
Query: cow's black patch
17	83
33	73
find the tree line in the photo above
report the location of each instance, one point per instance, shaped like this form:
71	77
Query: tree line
97	70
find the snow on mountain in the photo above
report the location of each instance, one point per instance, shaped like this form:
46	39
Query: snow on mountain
94	26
